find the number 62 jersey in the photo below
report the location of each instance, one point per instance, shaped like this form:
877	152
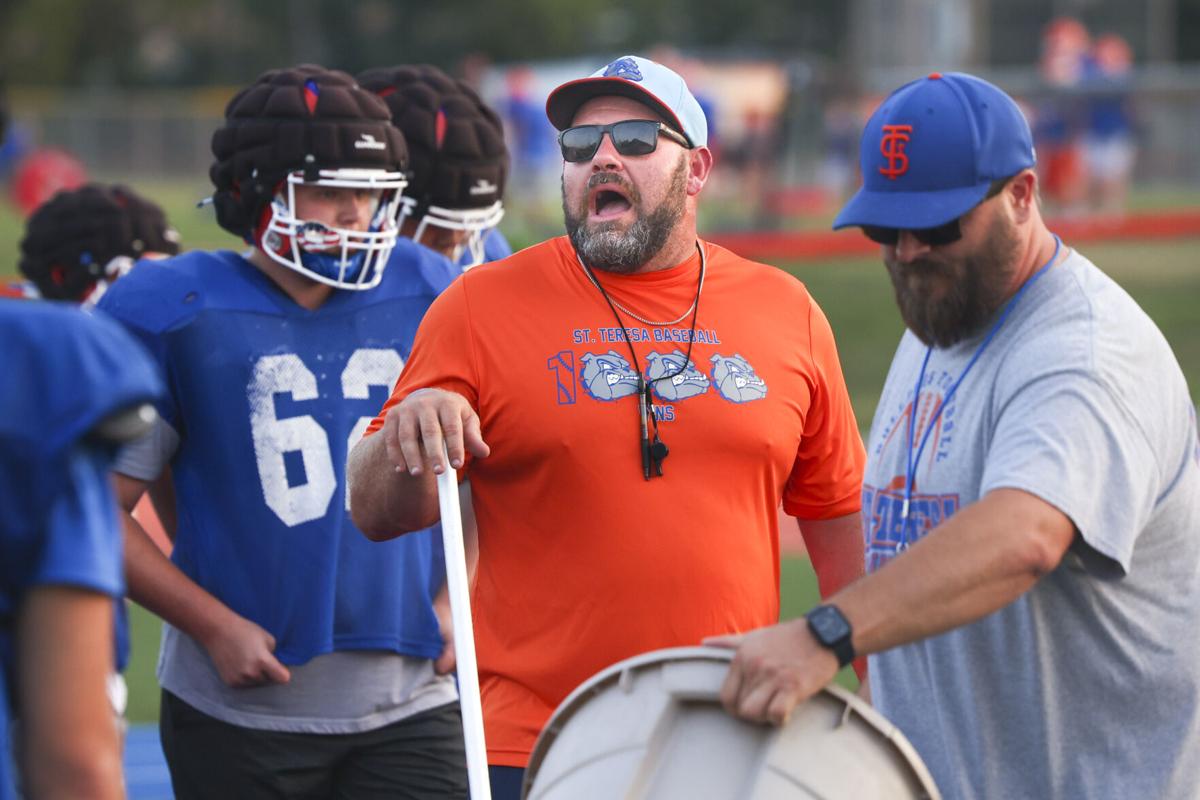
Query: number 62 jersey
267	398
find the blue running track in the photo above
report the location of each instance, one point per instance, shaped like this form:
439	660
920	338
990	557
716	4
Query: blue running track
146	776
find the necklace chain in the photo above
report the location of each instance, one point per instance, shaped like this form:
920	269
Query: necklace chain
637	316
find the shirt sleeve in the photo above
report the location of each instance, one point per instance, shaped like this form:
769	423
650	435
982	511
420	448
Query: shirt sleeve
1067	439
826	480
82	544
147	457
127	313
443	355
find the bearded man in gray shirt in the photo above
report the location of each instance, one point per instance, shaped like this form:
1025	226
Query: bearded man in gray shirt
1031	502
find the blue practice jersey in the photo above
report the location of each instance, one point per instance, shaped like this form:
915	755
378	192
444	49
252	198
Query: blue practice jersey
268	398
69	370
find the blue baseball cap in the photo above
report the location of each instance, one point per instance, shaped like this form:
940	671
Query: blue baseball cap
640	79
932	148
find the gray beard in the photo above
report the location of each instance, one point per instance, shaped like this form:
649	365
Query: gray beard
605	246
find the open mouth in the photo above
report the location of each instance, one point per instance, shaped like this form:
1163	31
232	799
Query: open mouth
609	201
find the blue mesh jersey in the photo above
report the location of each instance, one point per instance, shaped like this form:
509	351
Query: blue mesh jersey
60	525
268	398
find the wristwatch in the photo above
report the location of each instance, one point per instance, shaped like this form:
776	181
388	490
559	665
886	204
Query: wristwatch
832	630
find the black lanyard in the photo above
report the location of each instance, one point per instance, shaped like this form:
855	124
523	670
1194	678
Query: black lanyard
654	450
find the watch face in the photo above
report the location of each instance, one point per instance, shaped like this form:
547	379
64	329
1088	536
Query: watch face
828	624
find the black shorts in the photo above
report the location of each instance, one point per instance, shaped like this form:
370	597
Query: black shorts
414	759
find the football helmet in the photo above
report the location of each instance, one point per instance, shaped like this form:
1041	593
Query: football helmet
458	161
81	240
309	126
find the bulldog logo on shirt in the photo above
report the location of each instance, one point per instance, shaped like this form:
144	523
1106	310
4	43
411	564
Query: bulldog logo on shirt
736	380
608	376
685	381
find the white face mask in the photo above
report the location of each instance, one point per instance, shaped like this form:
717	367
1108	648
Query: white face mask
338	257
477	222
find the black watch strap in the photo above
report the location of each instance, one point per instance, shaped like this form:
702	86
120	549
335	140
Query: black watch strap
832	630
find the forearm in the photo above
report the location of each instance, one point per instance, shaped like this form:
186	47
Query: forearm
71	746
162	498
836	550
385	503
979	561
155	583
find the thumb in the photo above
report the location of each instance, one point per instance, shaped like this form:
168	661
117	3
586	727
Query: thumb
473	437
445	662
275	671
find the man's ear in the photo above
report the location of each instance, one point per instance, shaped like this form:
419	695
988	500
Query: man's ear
700	162
1023	195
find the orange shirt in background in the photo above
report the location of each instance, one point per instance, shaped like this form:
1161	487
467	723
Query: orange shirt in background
582	561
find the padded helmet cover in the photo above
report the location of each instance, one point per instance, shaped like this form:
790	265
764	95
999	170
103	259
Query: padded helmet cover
456	142
71	238
305	118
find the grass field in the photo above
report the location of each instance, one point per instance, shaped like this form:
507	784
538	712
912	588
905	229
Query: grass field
1164	277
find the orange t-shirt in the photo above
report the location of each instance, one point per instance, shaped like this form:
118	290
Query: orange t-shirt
582	561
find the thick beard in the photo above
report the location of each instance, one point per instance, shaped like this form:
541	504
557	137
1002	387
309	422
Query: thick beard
979	284
606	246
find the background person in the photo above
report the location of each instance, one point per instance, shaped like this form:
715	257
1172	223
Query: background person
84	386
75	245
458	164
565	371
81	240
1031	504
1110	142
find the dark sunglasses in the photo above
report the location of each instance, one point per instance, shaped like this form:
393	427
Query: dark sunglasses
630	137
946	233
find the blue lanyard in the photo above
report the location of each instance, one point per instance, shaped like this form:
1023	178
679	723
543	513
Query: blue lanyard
911	474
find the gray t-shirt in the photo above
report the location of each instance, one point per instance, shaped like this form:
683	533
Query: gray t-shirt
347	691
1088	686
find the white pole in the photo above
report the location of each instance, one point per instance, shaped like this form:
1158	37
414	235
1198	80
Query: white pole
464	634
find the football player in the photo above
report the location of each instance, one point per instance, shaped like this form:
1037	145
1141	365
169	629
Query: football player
457	160
75	245
81	240
299	658
84	386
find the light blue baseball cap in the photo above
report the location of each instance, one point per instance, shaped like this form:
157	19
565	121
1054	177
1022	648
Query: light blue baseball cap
640	79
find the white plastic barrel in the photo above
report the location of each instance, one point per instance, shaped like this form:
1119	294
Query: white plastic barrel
652	728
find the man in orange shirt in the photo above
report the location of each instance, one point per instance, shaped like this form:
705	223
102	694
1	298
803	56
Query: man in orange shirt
557	378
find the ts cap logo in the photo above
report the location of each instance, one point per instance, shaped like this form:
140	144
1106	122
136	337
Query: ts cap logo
895	137
625	68
368	142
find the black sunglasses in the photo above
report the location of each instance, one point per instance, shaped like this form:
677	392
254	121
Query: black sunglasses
946	233
630	137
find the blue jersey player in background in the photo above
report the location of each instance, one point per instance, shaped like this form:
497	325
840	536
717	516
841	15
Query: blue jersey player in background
298	658
75	245
78	387
458	162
